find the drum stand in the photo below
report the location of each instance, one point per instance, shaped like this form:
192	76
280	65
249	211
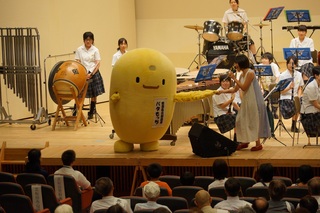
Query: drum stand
199	55
79	100
97	118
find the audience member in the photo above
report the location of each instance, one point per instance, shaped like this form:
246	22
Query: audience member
246	209
154	171
116	209
309	203
314	188
277	190
301	210
260	205
305	174
187	179
265	174
104	186
152	192
220	173
232	203
34	163
63	208
203	202
68	158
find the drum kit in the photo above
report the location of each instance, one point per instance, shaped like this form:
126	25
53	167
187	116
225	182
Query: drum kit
235	42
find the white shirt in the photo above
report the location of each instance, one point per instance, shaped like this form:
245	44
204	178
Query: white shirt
220	99
239	16
307	42
217	183
108	201
78	176
149	205
310	93
298	82
232	204
116	56
88	57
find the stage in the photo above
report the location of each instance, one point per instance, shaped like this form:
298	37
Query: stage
95	155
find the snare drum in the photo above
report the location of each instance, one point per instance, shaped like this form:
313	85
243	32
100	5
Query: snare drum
235	31
211	30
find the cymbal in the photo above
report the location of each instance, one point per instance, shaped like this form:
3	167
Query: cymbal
194	27
261	25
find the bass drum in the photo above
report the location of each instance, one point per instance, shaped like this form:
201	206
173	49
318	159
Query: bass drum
67	75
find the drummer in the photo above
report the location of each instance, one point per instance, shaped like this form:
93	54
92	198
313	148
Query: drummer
236	14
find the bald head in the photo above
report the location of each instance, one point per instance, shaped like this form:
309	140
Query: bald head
202	198
314	186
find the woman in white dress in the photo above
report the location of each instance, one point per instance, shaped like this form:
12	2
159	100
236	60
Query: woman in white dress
252	119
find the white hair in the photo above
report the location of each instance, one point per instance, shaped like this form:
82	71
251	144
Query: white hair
64	208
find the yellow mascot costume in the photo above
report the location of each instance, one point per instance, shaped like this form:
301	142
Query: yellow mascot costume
142	98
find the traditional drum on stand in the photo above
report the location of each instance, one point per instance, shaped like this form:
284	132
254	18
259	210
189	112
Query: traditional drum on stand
67	76
211	30
235	31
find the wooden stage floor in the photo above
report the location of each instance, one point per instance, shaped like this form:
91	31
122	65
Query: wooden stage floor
94	147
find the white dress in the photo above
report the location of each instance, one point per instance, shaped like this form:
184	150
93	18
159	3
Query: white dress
252	119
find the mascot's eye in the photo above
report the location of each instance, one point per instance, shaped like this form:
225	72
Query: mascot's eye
137	79
163	81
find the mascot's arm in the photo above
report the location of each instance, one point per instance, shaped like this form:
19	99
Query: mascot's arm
193	95
115	97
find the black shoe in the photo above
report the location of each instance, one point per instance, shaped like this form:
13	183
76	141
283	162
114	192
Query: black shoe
90	115
295	129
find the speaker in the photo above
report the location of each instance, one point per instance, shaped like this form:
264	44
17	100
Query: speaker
206	142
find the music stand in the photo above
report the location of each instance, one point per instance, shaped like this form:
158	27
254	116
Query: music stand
298	16
302	53
281	85
273	13
205	73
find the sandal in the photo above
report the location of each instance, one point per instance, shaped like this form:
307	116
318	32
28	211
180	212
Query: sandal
242	146
257	148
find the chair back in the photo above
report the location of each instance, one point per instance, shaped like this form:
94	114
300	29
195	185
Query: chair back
139	191
203	181
296	191
101	211
10	188
187	192
245	183
133	200
29	178
218	192
171	180
13	203
173	203
259	191
72	190
144	211
48	196
7	177
286	180
294	201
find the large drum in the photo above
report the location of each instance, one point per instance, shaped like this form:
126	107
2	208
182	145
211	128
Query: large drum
211	30
235	31
67	76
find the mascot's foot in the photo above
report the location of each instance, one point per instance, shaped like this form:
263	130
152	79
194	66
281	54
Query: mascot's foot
148	147
121	146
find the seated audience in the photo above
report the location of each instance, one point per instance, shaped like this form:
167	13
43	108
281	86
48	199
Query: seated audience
203	202
309	203
187	179
154	171
104	186
232	203
266	174
220	173
246	209
68	158
152	192
314	188
277	190
34	163
116	209
260	205
305	174
63	208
